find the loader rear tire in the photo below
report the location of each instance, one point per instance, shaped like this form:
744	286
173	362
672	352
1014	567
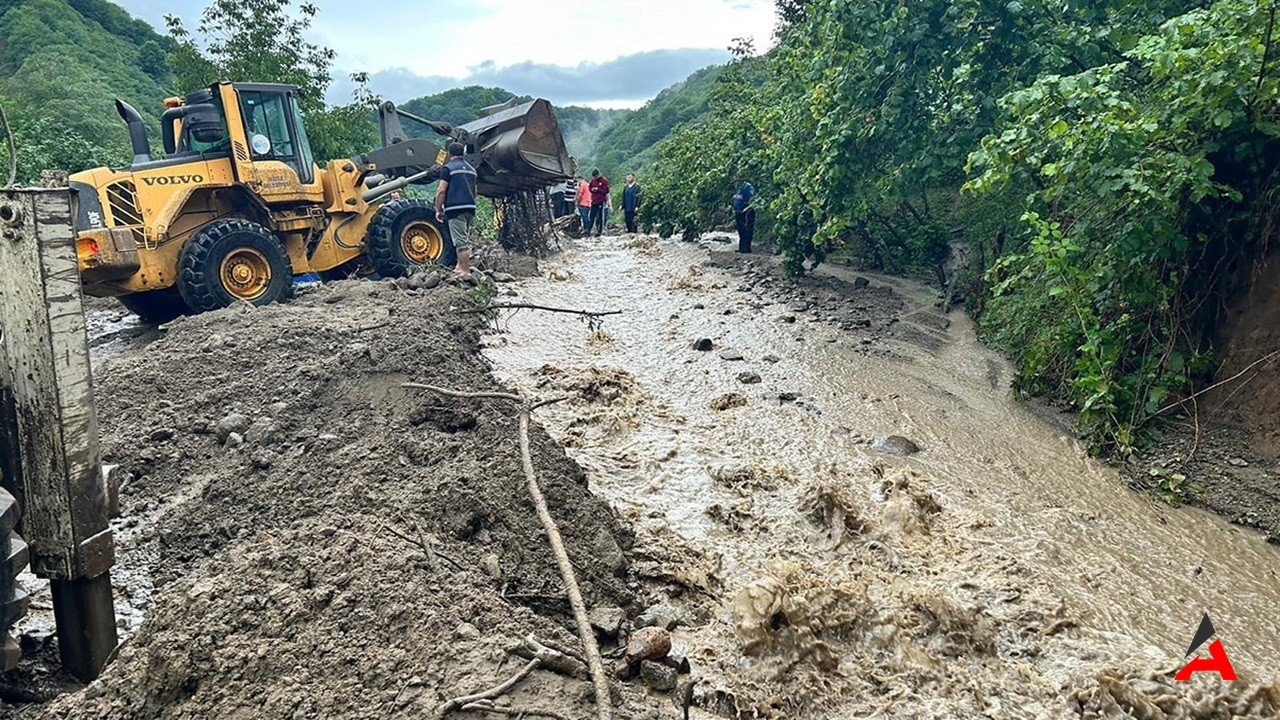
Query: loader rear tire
405	236
156	306
13	599
229	261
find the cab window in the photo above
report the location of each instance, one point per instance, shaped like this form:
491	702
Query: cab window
270	130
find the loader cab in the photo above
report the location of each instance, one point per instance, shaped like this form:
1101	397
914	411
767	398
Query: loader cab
273	127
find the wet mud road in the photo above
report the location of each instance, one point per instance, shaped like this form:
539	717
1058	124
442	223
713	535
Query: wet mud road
998	572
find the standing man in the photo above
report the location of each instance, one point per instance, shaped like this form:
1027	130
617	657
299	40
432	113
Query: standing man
744	214
557	200
599	188
630	202
569	198
456	203
584	205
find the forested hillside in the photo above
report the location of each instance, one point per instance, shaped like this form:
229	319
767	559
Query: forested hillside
62	64
628	144
1108	166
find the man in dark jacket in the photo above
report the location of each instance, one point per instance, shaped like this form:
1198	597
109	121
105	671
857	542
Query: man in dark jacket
599	196
456	203
631	202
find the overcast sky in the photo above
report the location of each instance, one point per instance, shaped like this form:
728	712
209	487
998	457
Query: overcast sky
604	53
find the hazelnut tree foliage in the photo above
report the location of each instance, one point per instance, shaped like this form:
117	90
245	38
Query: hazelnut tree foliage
1101	163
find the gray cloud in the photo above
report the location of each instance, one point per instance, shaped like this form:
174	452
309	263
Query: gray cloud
631	77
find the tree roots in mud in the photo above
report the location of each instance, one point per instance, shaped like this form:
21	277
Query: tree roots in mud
604	703
524	223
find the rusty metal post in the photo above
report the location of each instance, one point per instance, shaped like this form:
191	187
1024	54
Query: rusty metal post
48	425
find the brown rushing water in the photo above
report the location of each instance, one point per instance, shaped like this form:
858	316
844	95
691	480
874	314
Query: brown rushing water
1075	571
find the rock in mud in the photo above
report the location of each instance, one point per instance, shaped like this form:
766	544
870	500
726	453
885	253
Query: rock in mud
234	440
703	345
662	615
233	423
728	402
861	282
730	354
261	432
749	378
799	306
772	359
678	661
466	631
607	621
162	434
651	643
896	445
491	566
657	676
503	277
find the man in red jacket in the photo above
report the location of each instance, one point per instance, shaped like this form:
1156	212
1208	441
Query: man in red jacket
599	196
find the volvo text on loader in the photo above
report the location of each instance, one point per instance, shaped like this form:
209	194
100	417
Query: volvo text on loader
237	206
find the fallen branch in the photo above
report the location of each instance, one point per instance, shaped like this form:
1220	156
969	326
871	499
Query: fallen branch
464	395
551	659
604	705
530	306
493	692
489	707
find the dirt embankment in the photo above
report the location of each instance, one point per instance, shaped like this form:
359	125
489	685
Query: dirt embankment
282	492
1222	451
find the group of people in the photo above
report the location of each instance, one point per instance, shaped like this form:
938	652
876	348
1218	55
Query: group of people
456	204
593	200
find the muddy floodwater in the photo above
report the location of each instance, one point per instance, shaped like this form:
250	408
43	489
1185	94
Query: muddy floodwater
998	572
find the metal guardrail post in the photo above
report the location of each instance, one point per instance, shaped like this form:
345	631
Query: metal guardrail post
48	426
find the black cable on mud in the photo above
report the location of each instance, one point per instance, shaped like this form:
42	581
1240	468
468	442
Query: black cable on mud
524	223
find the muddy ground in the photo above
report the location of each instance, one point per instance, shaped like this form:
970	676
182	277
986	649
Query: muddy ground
303	537
280	493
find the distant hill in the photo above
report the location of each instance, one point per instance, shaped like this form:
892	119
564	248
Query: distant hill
62	65
626	144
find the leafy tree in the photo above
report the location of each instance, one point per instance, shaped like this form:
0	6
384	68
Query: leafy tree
253	40
265	41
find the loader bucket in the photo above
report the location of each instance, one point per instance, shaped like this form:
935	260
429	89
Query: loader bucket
519	148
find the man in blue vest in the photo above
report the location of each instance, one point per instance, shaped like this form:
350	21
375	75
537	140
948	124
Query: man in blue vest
456	203
744	214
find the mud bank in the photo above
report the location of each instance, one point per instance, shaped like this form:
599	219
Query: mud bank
980	566
301	537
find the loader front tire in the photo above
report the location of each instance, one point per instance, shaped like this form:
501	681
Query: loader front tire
405	236
13	599
156	306
229	261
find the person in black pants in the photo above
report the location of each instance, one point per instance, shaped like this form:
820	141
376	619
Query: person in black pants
599	187
744	215
631	202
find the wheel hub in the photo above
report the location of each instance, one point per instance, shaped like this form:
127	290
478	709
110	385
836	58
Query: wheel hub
422	243
245	273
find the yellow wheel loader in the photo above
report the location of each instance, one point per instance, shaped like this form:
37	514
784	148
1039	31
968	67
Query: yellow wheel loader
237	206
